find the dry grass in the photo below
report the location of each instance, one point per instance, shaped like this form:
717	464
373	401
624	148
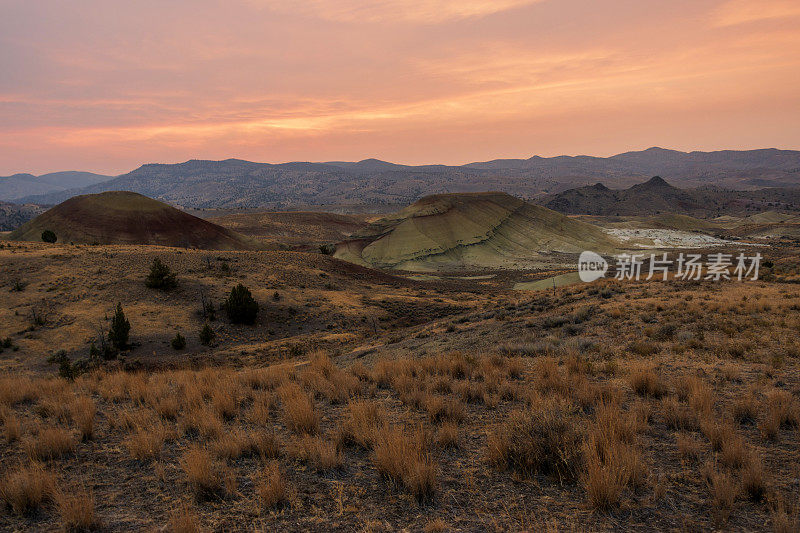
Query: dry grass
83	411
27	487
12	427
698	393
545	439
328	381
363	422
272	489
238	443
299	413
76	509
724	491
260	412
50	443
204	421
206	477
644	381
183	520
320	454
753	482
447	436
225	399
745	408
678	415
613	462
688	447
146	442
401	455
18	390
782	411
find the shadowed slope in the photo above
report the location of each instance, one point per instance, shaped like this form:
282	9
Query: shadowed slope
121	217
469	230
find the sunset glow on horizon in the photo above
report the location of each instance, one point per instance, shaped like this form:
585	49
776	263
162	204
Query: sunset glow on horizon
110	86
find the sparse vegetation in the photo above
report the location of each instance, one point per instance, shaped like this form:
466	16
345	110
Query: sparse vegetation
240	306
342	427
207	335
49	236
161	277
119	333
178	342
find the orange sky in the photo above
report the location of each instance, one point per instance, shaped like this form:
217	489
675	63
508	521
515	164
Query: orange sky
111	85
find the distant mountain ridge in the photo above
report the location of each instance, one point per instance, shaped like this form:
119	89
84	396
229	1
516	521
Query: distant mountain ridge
235	183
656	196
20	185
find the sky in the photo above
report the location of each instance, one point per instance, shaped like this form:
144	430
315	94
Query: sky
109	85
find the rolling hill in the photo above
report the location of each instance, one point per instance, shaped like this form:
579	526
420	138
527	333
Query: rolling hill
656	196
292	228
234	183
129	218
469	230
20	185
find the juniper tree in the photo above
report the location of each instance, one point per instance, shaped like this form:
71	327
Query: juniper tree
160	277
240	306
120	329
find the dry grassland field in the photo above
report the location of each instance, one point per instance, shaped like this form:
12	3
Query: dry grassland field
364	400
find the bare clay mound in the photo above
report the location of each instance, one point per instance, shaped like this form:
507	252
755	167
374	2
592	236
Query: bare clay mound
466	230
121	217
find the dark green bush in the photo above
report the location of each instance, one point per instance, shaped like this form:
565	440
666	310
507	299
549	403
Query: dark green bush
49	236
160	277
120	329
207	335
240	306
179	342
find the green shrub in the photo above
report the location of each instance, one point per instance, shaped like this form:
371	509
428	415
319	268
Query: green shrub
49	236
207	335
160	277
179	342
240	306
120	329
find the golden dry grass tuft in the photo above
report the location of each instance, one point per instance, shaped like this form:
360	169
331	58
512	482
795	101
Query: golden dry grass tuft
299	413
319	453
613	461
76	509
27	487
644	381
184	519
206	476
543	440
83	411
363	421
271	487
49	443
401	455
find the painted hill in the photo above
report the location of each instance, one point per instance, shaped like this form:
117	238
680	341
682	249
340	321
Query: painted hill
466	230
121	217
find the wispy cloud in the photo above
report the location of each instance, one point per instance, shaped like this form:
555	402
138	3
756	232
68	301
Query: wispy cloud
736	12
428	11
